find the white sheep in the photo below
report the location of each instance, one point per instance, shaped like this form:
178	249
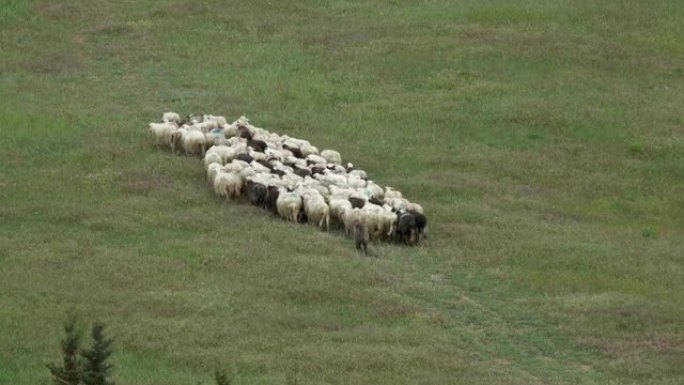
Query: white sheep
336	169
247	172
193	119
287	141
256	155
194	142
267	179
291	180
205	126
340	192
275	154
316	185
358	174
163	132
404	204
355	182
215	138
235	166
230	131
392	193
241	121
332	156
289	205
285	153
337	208
239	147
389	218
317	211
308	149
221	120
171	117
380	221
316	159
212	170
227	184
258	132
210	158
272	139
225	152
259	168
330	179
350	217
291	159
177	137
372	190
412	206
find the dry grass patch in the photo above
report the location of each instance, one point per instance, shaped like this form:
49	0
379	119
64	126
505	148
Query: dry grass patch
56	63
376	279
389	308
111	29
57	11
143	182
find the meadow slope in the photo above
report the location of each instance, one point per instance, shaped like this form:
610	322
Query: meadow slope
545	140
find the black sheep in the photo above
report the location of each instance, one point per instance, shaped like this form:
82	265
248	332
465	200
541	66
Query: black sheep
265	164
357	202
421	222
257	145
280	173
256	192
406	230
301	216
317	170
375	201
244	157
294	150
303	172
271	198
243	132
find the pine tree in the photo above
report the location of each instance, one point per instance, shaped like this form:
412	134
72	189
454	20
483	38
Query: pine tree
68	373
94	367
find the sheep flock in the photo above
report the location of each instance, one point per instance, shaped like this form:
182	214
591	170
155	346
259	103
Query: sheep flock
291	178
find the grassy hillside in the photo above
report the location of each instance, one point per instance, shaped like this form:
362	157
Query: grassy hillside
545	140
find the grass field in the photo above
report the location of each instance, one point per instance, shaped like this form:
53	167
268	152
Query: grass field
545	140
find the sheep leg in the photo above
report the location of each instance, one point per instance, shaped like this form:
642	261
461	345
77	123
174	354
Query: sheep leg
360	245
391	230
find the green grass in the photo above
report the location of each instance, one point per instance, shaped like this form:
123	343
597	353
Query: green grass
543	138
